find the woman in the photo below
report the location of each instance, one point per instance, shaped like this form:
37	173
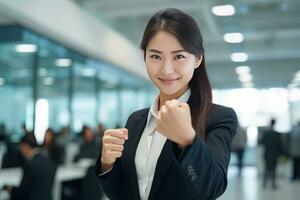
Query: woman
180	147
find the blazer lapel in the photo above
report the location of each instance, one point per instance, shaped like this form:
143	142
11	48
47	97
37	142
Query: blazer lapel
135	131
163	163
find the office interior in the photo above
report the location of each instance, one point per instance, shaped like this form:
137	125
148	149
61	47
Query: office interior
75	65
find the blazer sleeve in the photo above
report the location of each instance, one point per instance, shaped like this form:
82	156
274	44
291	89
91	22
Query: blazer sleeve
204	164
111	180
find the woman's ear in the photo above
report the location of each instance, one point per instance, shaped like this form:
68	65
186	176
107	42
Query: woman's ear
198	61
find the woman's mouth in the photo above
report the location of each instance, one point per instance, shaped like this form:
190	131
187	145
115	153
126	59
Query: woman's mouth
168	81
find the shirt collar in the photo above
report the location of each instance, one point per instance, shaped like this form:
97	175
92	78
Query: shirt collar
153	109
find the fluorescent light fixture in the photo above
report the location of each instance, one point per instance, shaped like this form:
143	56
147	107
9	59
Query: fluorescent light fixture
233	37
242	69
48	81
239	57
88	72
63	62
26	48
245	78
223	10
41	119
2	81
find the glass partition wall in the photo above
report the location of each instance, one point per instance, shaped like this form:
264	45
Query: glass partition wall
44	84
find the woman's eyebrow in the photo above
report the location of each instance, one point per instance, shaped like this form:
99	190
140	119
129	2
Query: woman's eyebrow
173	52
178	51
155	51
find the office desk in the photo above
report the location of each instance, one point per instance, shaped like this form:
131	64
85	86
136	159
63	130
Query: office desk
68	172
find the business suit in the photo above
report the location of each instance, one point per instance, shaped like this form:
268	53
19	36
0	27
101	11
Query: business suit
197	172
37	180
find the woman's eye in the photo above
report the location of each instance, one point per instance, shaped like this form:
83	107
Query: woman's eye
179	57
155	57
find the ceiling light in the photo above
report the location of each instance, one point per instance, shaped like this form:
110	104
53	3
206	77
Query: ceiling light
2	81
48	81
242	69
239	57
89	72
26	48
245	78
233	37
63	62
223	10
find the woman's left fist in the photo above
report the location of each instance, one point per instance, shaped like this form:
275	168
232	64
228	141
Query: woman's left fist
174	122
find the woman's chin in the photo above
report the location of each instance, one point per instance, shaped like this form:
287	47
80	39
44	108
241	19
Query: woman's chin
169	91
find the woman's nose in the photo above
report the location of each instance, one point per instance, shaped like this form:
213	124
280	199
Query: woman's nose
167	68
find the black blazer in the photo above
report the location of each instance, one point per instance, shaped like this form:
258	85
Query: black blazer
197	172
37	181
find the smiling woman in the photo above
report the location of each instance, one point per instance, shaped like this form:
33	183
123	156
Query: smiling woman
180	147
169	66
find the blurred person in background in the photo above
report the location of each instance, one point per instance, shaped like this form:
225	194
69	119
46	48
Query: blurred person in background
50	147
24	129
62	140
238	146
295	151
89	147
271	141
2	132
180	147
12	156
38	173
63	136
100	130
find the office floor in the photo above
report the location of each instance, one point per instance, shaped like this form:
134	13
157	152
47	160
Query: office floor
249	186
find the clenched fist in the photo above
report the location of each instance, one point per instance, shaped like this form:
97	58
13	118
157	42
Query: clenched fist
112	147
174	122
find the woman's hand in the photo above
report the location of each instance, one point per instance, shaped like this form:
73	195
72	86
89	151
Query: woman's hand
174	122
112	147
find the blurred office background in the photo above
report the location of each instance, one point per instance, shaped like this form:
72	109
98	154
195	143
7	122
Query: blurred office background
75	66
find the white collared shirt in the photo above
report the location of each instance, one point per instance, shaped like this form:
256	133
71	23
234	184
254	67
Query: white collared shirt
149	149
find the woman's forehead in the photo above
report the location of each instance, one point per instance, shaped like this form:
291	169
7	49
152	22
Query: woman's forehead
165	42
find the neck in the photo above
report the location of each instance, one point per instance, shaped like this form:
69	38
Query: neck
164	97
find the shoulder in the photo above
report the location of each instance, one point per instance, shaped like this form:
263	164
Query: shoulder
221	112
221	116
138	114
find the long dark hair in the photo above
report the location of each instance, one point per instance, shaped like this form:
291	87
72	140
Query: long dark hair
186	30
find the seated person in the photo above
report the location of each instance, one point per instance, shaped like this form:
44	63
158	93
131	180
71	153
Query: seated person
51	148
38	173
89	148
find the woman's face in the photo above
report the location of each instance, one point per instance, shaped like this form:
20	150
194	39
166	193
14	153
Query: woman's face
169	66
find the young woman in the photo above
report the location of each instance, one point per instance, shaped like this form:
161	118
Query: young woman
180	147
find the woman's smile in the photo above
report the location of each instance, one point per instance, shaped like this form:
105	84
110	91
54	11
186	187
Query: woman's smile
168	81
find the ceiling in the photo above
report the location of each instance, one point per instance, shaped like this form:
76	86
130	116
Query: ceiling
271	30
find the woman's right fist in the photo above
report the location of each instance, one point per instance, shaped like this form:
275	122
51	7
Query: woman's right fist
112	147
